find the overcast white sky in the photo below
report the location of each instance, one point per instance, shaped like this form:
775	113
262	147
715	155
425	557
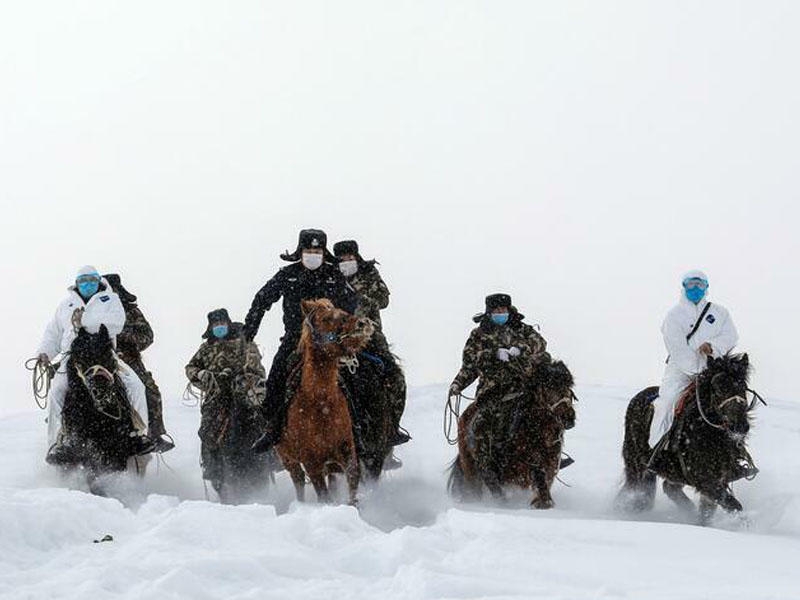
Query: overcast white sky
579	155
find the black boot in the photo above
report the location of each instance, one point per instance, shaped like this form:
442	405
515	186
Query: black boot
566	461
163	443
401	436
392	463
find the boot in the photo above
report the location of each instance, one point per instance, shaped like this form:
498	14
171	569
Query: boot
392	463
566	461
401	436
163	443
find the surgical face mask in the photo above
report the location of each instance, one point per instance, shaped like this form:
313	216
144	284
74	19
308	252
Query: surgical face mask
312	262
219	331
499	318
348	267
695	294
88	287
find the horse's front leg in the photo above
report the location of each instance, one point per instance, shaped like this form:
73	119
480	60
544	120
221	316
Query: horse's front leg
317	477
708	506
353	474
298	478
674	492
726	499
541	486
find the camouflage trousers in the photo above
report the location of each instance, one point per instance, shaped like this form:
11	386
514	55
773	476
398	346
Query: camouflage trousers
155	414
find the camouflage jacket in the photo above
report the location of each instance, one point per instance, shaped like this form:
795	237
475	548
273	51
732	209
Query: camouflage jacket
373	295
234	355
136	335
480	357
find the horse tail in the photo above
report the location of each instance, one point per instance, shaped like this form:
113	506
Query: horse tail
455	478
636	450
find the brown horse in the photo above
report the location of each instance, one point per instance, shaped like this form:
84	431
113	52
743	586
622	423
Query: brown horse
318	438
529	453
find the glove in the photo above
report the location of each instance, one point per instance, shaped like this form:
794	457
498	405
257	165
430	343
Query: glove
503	354
44	360
514	352
77	317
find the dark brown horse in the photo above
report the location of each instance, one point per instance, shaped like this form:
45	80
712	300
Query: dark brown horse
318	438
531	434
703	447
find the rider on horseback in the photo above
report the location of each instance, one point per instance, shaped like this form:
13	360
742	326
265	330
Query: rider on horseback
135	338
500	353
227	369
313	275
373	296
91	303
693	330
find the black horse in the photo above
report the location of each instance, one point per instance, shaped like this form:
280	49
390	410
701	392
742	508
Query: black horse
96	417
230	422
368	391
704	447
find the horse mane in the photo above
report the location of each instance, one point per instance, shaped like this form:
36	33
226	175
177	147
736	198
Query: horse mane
553	374
736	366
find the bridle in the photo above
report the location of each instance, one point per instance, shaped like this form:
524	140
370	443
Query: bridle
85	375
734	398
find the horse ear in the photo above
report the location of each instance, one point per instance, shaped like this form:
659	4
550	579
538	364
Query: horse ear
710	361
745	360
104	331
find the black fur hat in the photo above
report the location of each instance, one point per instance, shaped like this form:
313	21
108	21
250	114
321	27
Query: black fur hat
115	282
310	239
219	315
347	247
497	301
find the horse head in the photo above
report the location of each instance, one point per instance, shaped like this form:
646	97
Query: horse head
556	383
92	357
723	394
332	331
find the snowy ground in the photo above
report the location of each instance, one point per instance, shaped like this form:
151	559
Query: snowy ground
408	540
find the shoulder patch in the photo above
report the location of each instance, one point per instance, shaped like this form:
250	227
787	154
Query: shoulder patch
711	318
104	298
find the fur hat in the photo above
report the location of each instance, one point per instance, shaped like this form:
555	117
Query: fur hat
115	282
498	301
347	247
215	317
309	239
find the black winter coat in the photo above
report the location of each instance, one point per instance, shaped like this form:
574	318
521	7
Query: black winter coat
296	283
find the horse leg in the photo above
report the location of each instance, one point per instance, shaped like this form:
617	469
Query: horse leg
707	509
726	500
298	478
317	477
353	474
541	498
675	493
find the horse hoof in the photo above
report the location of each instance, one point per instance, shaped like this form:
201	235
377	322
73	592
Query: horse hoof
540	504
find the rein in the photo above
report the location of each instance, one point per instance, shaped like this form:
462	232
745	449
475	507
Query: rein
41	379
735	398
94	371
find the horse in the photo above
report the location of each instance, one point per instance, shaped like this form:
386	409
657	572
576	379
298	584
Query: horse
96	415
371	403
231	422
318	437
701	449
530	452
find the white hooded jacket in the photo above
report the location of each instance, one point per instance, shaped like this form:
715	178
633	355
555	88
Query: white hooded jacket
104	308
716	328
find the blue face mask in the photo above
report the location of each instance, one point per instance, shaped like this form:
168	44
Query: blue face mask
694	294
88	288
219	331
499	318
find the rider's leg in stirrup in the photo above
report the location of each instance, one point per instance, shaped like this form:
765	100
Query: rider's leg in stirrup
135	391
62	448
